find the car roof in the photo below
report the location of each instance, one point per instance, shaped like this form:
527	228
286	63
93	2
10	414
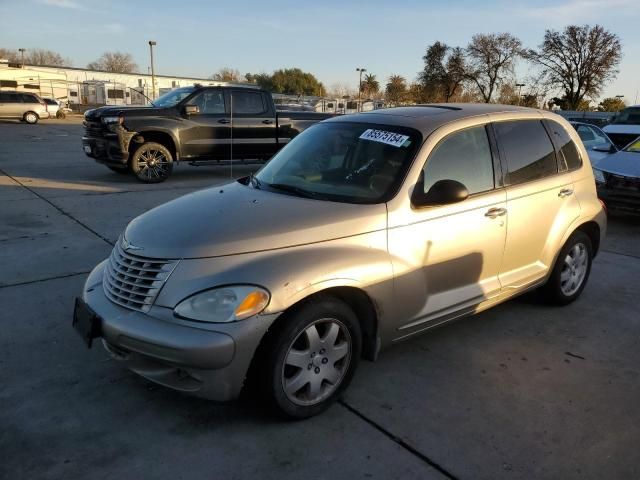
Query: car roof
426	118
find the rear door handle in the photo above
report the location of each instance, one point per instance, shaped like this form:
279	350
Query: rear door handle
224	120
267	122
495	212
565	192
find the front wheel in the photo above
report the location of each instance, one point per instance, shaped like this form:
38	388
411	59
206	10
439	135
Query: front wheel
31	118
152	163
571	271
312	357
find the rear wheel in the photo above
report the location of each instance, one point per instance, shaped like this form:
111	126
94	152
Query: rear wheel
312	357
571	271
31	118
152	163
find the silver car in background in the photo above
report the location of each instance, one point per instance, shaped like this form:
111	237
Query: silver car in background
363	231
27	107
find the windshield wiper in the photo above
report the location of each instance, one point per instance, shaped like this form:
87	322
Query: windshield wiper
291	189
254	182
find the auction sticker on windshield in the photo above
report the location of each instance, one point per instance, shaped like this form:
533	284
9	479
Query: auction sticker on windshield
382	136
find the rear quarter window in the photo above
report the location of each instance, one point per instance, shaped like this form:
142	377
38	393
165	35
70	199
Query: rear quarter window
570	158
527	150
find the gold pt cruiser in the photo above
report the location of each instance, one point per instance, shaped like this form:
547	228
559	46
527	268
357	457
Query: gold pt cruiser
363	231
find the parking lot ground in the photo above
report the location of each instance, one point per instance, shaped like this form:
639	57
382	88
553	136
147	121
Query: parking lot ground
521	391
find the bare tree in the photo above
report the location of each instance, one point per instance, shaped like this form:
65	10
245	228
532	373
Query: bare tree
444	72
116	62
580	61
227	74
36	56
491	59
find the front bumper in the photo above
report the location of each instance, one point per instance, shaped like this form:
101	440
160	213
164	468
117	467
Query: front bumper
105	150
208	360
621	195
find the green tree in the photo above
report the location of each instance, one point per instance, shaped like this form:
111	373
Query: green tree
261	79
491	59
370	85
579	60
443	74
611	104
293	81
396	89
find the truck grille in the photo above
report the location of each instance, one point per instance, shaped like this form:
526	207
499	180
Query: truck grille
133	281
93	129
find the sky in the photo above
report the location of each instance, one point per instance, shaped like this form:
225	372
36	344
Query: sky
328	38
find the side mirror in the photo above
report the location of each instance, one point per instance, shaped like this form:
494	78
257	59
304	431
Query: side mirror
191	109
604	148
443	192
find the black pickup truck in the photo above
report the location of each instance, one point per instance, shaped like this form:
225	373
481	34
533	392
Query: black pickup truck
197	124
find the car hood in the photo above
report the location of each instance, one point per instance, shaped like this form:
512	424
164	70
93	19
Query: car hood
626	164
234	218
126	110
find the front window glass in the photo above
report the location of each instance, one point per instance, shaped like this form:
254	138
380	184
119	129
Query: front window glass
173	97
628	116
342	162
465	157
633	146
209	102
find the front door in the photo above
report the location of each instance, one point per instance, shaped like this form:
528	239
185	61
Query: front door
207	133
447	258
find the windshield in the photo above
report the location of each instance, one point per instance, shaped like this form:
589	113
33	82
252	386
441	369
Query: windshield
628	116
633	146
173	97
342	162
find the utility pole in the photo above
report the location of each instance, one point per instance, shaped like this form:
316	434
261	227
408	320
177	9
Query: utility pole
21	50
519	85
153	73
359	69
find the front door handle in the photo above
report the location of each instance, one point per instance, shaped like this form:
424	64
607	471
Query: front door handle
565	192
495	212
267	122
224	120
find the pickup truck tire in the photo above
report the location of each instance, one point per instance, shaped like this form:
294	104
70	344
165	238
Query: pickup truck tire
120	170
152	163
311	357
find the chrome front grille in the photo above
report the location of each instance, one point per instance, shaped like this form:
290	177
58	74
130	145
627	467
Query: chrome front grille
133	281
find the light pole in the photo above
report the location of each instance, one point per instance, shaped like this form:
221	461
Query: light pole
519	85
21	50
360	86
153	73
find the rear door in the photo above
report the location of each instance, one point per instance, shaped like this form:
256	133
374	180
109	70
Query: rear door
206	134
254	123
540	200
10	104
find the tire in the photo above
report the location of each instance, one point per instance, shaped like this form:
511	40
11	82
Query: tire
31	118
120	170
311	358
152	163
61	114
571	270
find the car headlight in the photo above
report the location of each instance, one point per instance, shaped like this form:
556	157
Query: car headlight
224	304
599	176
111	120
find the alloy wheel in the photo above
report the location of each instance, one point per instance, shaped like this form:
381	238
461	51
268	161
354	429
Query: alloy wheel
316	362
574	269
153	164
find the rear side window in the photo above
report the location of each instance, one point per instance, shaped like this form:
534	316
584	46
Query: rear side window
527	150
247	103
570	158
463	156
27	98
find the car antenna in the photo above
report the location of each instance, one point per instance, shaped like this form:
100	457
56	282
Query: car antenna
231	133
